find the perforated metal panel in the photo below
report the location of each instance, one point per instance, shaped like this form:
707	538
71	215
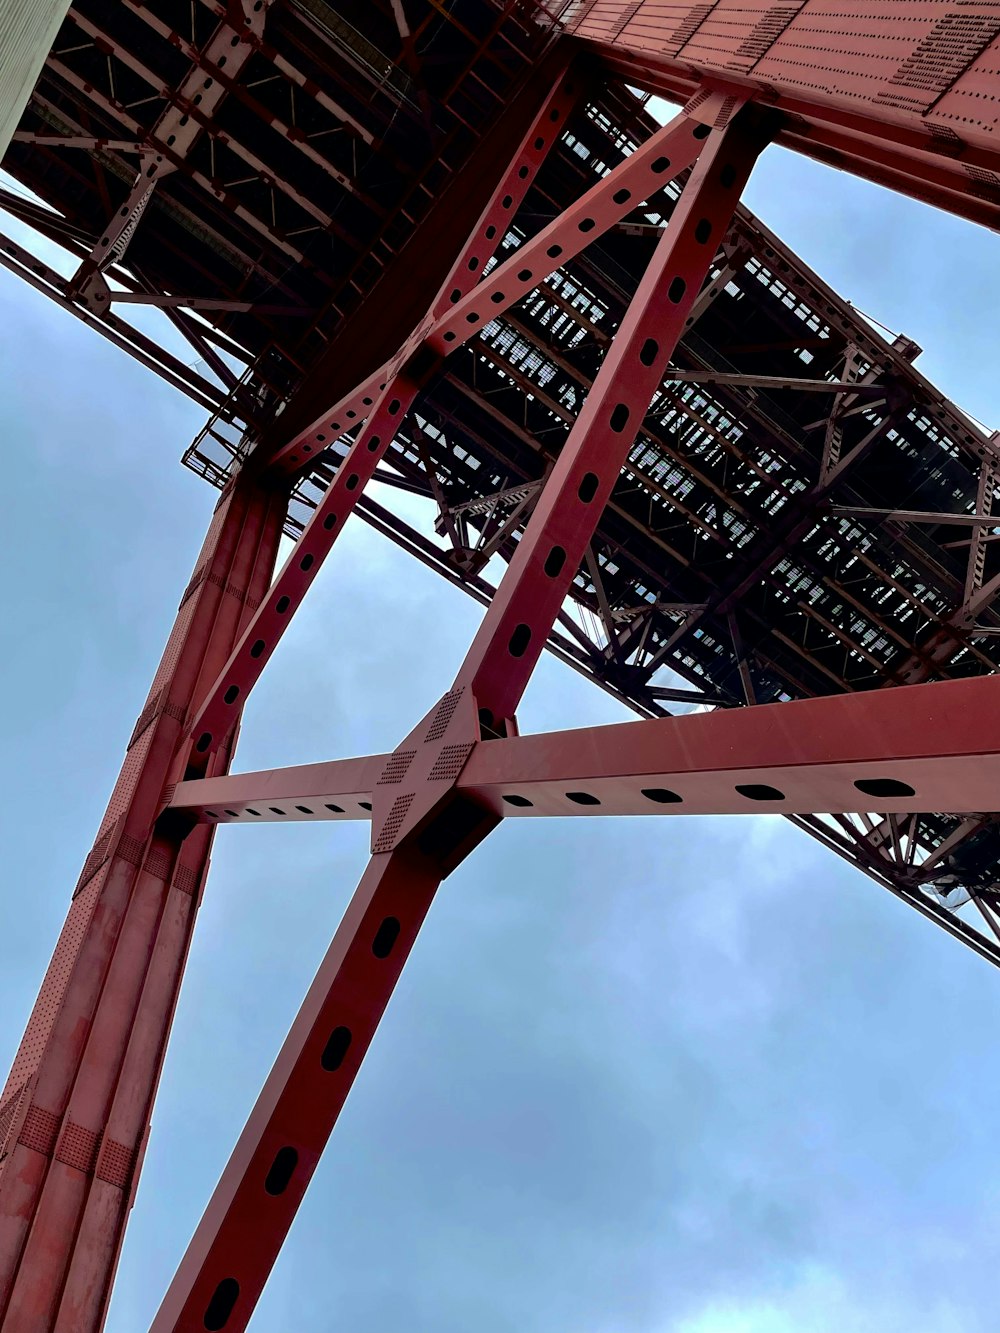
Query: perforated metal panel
396	767
78	1147
387	837
116	1163
445	712
39	1130
450	762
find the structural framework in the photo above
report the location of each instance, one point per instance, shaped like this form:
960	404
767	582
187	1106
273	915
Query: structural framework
446	248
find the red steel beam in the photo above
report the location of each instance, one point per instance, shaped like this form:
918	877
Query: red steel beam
44	221
51	284
459	318
383	402
516	626
168	302
225	199
230	1257
919	748
189	110
903	93
236	1243
274	57
229	79
338	790
87	142
218	713
957	186
178	126
925	747
421	824
652	166
75	1115
76	1107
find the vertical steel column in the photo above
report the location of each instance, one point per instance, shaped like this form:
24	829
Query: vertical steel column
421	826
75	1110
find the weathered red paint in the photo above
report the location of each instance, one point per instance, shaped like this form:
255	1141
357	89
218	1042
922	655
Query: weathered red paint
81	1089
903	93
925	747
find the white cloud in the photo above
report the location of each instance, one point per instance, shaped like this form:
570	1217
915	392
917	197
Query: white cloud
819	1301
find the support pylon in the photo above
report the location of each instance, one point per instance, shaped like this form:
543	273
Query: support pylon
75	1111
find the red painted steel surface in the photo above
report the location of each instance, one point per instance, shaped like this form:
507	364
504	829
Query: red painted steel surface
904	91
383	402
513	633
386	400
467	268
84	1077
254	1204
653	165
260	638
921	748
421	827
198	99
925	747
281	793
237	1241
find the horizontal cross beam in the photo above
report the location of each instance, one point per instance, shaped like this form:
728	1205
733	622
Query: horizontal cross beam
88	142
919	516
736	379
165	302
338	790
909	750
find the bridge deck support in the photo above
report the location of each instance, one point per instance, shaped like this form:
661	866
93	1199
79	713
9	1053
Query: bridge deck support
422	826
75	1110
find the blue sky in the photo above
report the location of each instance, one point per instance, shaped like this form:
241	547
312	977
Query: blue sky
658	1076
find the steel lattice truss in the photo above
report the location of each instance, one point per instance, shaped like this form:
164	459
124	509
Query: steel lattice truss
702	476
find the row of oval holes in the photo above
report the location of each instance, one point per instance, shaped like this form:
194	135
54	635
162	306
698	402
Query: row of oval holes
276	810
227	1292
373	443
587	224
507	201
220	62
620	413
350	414
286	1159
305	564
753	791
489	234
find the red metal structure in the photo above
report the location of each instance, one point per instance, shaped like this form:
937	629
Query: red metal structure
584	327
